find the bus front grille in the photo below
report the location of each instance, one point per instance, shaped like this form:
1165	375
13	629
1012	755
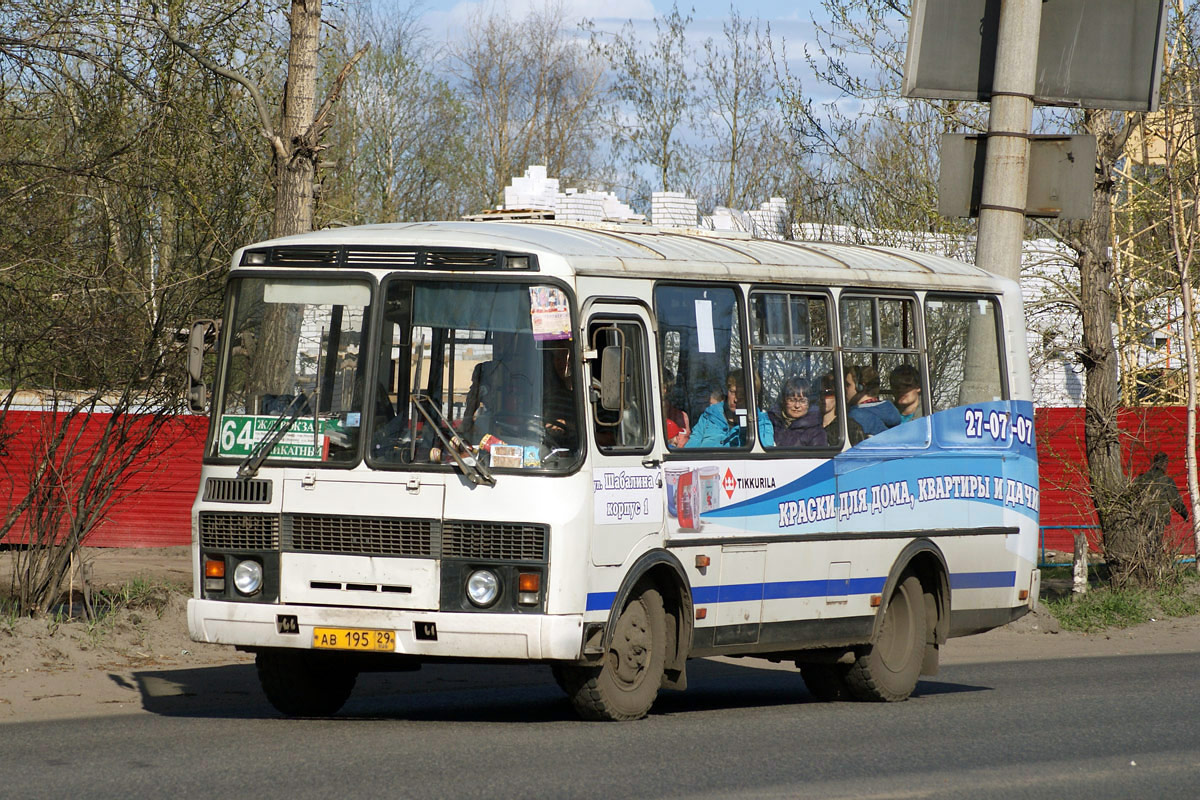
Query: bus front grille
224	531
372	536
498	541
234	490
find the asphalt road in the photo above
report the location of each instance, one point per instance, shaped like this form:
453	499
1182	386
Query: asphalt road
1119	727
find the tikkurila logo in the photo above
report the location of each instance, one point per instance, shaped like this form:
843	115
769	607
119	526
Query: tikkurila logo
729	483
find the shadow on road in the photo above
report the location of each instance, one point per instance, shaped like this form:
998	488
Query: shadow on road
500	693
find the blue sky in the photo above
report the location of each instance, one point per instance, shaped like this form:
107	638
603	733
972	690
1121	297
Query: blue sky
788	19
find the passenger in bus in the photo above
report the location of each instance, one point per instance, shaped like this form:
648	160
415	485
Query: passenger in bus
481	402
719	425
558	397
829	415
906	389
679	428
868	410
797	421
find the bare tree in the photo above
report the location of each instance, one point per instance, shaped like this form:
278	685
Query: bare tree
533	96
1182	145
655	92
740	111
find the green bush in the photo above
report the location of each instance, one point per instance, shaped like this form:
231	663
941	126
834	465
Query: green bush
1104	607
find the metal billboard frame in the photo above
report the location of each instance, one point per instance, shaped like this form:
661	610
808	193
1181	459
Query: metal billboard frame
1091	53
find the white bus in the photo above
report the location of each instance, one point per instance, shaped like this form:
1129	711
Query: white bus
609	448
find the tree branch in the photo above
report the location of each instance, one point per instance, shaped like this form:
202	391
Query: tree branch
311	137
260	105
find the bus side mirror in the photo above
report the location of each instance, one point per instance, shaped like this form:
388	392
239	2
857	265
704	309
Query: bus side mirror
197	395
612	377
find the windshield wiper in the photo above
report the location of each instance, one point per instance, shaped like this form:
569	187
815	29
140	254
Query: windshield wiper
279	427
459	450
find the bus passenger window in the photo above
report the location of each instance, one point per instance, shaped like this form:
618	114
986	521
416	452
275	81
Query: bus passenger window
964	354
879	337
700	349
793	361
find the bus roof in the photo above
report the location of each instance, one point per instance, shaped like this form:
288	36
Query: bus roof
639	250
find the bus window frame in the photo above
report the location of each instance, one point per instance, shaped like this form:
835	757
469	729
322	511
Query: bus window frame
238	274
522	278
920	350
998	320
601	311
739	294
831	294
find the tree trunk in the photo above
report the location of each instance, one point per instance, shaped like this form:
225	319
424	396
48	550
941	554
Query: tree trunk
295	173
1108	481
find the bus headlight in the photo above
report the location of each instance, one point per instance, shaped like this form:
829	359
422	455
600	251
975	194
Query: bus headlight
483	587
248	576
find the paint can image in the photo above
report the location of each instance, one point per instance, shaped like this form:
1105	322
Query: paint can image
672	478
687	502
710	488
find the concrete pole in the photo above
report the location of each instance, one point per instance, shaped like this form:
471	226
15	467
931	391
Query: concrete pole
1006	164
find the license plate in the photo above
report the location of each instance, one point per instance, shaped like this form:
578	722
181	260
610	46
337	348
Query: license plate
353	639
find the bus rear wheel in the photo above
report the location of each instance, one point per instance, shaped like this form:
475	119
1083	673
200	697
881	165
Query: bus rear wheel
300	684
625	686
887	670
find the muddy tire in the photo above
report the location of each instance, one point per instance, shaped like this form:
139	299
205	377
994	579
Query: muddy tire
299	684
625	686
887	670
825	682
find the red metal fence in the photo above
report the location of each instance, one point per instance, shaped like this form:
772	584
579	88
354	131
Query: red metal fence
153	510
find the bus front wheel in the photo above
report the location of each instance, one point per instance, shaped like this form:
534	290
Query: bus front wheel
625	686
888	669
299	684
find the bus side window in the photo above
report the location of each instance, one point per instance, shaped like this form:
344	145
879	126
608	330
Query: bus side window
626	426
705	381
792	351
879	336
964	354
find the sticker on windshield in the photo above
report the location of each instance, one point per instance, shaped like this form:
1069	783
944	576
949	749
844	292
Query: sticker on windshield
549	313
240	433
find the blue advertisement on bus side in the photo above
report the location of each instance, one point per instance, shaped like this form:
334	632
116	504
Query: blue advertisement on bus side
968	467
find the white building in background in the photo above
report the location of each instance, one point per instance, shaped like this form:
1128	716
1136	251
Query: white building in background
1049	277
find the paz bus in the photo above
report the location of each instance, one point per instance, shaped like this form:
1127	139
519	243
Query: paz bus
608	448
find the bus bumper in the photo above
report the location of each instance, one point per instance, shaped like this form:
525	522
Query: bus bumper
535	637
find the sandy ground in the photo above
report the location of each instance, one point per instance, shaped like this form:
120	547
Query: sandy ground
59	670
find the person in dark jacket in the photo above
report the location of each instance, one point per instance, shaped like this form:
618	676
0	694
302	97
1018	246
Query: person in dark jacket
797	421
1155	491
868	410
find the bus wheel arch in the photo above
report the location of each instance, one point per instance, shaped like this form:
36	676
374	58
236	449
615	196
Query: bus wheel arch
911	623
923	558
664	572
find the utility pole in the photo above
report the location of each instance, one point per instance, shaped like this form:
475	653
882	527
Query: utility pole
1006	163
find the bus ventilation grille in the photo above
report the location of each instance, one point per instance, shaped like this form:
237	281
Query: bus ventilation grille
224	531
371	536
232	490
494	541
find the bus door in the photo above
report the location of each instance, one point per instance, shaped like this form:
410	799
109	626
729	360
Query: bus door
626	477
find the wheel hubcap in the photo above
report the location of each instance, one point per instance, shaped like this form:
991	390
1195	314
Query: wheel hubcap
629	653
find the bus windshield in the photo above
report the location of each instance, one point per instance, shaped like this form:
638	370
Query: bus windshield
293	379
494	361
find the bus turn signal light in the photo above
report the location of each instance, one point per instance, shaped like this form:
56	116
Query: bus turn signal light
214	575
529	585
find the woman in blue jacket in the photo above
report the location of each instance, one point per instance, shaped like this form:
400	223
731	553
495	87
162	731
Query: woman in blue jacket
719	425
